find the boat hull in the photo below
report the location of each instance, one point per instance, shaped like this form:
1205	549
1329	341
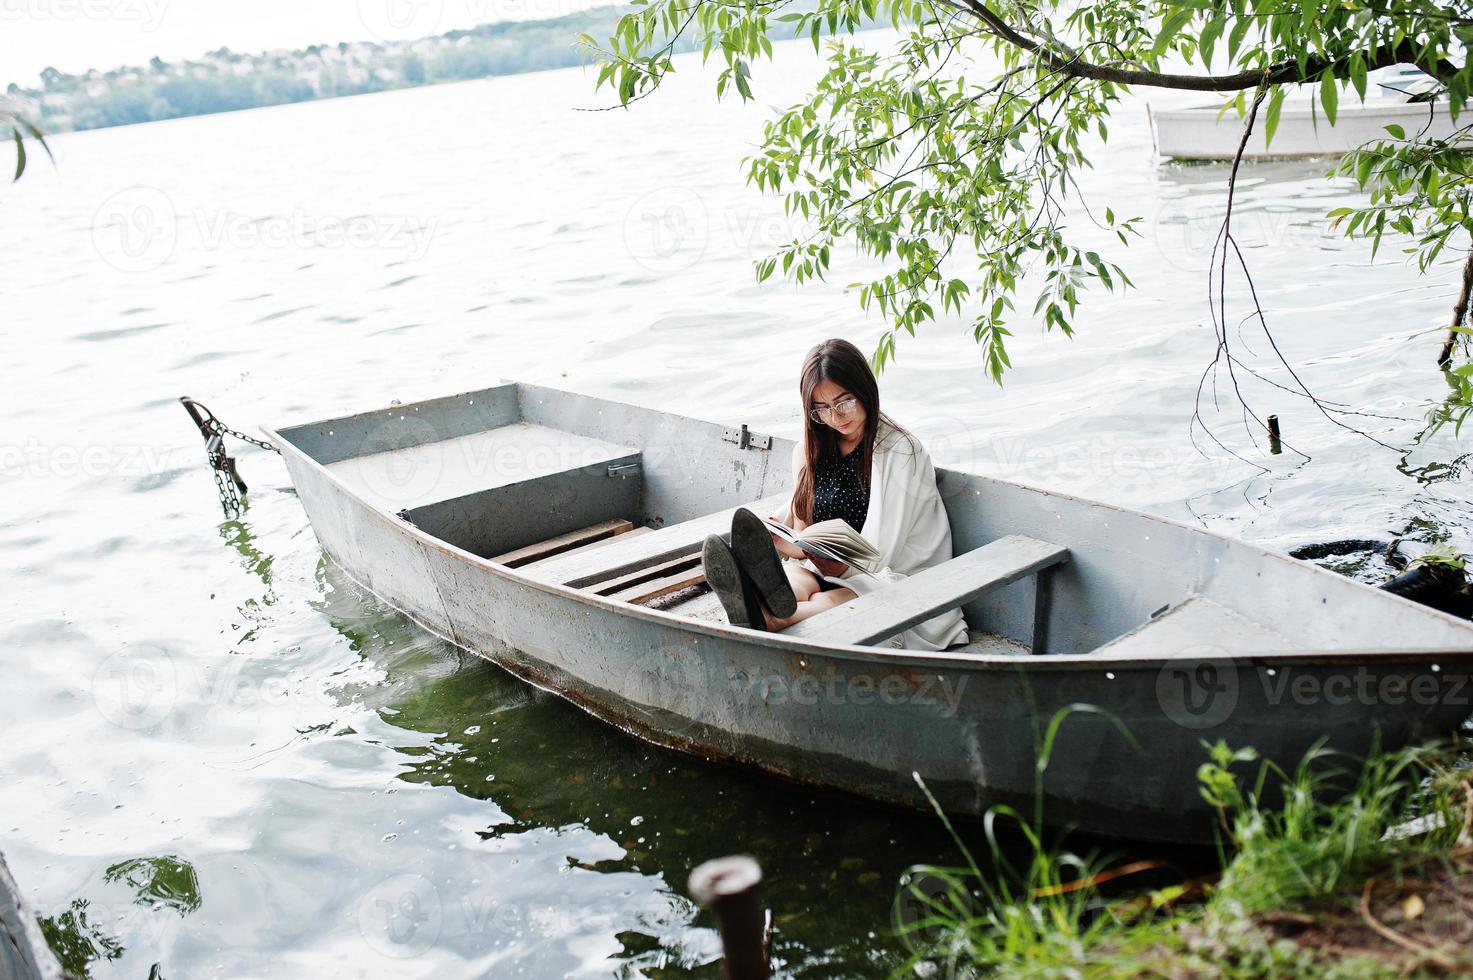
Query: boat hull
880	722
1205	133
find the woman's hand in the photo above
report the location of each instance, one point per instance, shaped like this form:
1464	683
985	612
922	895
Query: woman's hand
786	548
828	566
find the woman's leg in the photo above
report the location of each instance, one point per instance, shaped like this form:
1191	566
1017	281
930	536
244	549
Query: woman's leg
816	603
805	584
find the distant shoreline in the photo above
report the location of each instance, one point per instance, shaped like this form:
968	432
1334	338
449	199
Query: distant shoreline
223	81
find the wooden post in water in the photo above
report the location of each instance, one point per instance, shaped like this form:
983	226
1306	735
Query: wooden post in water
731	888
1275	444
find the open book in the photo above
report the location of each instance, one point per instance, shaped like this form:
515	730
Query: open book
832	539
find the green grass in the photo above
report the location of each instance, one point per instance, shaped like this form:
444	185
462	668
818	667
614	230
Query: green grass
1324	881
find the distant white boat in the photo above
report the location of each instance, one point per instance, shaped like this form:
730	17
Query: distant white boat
1401	96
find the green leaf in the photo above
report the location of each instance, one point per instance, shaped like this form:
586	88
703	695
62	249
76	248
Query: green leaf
1396	131
1329	94
1271	116
20	154
1171	26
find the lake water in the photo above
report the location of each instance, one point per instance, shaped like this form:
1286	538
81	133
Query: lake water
224	760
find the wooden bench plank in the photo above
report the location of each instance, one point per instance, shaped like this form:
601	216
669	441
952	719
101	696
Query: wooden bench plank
913	600
625	554
655	588
561	543
601	542
619	583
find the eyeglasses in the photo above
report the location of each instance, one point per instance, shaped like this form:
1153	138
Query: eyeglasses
844	408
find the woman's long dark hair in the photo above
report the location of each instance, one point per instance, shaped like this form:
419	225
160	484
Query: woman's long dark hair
840	362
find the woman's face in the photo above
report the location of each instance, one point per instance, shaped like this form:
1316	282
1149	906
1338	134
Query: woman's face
832	402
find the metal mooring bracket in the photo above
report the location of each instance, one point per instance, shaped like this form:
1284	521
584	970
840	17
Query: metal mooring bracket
745	438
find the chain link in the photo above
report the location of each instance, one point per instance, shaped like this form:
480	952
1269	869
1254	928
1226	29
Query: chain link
227	480
220	428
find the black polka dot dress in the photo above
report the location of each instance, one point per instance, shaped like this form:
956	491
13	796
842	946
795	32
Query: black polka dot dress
838	490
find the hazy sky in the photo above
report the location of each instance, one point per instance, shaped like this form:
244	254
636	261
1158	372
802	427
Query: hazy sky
74	35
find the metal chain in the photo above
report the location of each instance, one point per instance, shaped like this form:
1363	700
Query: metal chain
220	427
227	479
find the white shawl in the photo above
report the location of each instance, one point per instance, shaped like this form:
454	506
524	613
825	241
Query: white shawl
906	522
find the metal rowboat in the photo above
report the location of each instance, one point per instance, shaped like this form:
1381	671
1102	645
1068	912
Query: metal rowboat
557	535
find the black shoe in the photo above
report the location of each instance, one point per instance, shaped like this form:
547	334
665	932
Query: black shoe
751	542
732	586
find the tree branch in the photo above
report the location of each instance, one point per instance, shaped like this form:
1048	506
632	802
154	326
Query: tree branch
1404	53
1460	314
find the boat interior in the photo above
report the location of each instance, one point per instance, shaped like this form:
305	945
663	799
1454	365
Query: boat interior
616	500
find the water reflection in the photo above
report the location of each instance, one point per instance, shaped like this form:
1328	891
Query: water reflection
136	897
159	882
541	765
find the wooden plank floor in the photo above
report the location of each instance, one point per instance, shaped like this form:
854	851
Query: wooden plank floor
564	543
624	554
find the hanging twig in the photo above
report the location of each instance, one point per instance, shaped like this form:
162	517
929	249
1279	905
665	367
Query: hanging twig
1217	304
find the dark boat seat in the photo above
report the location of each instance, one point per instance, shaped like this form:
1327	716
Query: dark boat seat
881	614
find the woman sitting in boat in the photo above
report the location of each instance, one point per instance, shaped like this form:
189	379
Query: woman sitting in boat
852	463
